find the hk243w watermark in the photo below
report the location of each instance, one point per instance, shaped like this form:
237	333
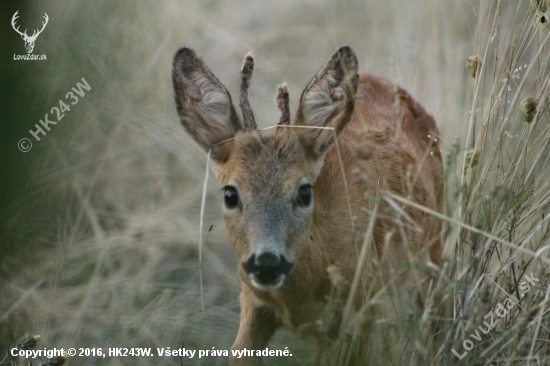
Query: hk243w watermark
56	112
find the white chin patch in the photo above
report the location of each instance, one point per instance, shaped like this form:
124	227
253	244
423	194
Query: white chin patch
269	287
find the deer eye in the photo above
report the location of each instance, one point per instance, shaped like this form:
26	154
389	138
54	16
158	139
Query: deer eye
304	195
230	196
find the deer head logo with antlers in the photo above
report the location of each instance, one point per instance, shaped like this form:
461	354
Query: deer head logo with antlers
29	41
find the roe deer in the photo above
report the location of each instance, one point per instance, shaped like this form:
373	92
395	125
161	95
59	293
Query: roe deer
288	210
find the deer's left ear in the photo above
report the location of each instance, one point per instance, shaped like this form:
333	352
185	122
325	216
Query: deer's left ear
328	101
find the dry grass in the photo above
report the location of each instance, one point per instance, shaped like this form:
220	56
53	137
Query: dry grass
105	236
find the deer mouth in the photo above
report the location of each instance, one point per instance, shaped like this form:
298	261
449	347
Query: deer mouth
267	272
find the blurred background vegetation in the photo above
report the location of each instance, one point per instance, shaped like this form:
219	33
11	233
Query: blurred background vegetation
99	220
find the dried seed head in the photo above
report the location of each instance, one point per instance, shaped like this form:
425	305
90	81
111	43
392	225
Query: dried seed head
473	65
472	158
539	5
27	342
486	295
365	149
335	276
529	109
340	288
542	20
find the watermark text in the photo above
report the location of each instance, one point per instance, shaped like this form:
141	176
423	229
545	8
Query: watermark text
56	114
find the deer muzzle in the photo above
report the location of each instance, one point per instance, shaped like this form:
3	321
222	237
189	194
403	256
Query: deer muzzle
267	271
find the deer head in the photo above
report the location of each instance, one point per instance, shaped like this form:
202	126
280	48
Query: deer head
267	180
29	41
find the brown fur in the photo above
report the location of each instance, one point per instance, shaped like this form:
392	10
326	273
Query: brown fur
266	170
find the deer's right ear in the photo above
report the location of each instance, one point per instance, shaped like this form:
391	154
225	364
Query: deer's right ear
204	105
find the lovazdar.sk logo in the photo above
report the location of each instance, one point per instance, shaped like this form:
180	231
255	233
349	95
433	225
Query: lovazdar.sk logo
29	40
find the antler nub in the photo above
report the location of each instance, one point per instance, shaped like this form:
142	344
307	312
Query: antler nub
282	103
246	75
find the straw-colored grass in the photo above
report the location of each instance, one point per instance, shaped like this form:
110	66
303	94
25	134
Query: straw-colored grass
104	245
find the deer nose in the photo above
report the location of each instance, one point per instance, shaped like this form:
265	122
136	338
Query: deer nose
267	270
